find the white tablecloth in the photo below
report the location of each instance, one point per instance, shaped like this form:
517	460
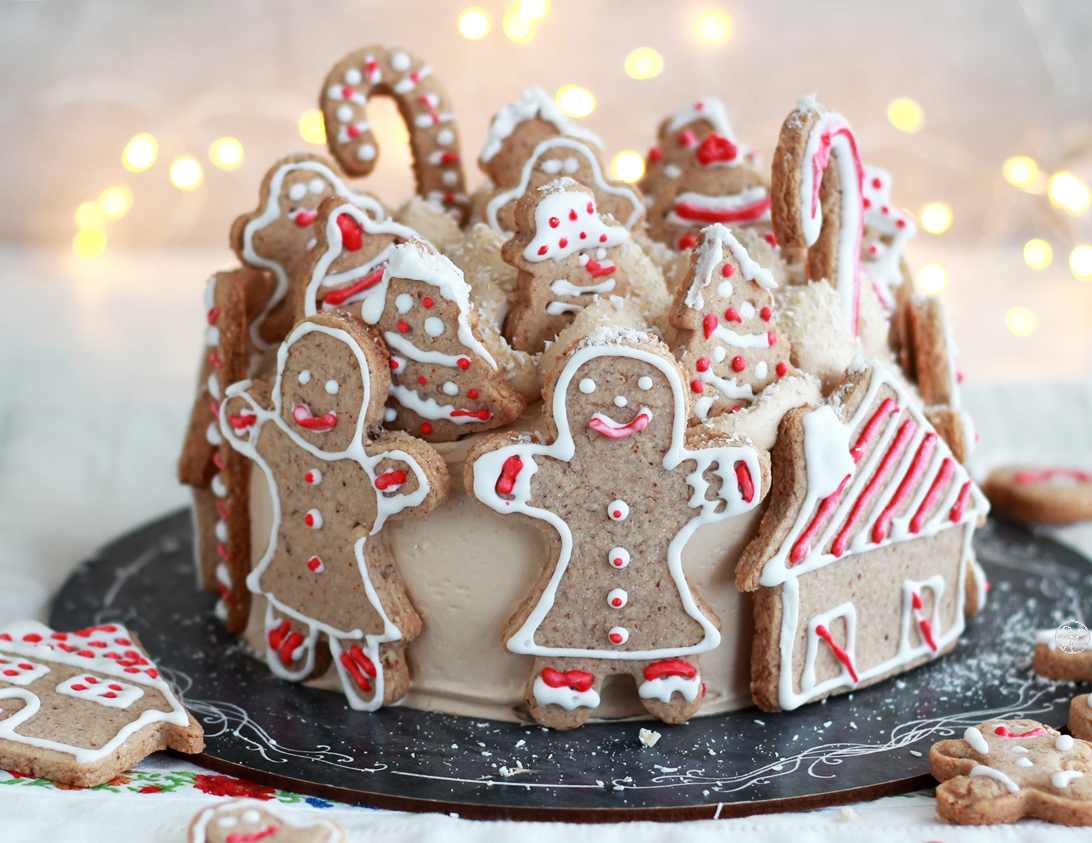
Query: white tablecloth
94	395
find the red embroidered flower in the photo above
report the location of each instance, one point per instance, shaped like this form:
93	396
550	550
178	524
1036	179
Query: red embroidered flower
150	789
228	786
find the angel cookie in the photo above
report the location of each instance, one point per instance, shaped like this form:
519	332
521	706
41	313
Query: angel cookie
531	143
81	707
566	254
277	236
1003	770
730	348
335	477
618	492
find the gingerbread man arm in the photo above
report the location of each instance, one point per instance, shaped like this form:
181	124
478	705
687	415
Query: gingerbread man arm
246	405
731	477
410	476
500	470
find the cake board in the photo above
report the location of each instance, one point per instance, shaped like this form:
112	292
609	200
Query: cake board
858	746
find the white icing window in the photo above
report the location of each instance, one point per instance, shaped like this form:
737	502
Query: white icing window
332	387
305	376
20	671
587	386
109	692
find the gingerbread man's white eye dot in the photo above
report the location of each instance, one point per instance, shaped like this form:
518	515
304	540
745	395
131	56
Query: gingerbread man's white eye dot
645	382
305	376
251	816
620	400
404	301
316	186
227	822
297	191
551	166
587	386
434	326
571	165
332	387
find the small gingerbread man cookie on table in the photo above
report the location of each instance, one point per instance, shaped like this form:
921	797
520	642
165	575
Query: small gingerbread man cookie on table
335	477
1004	770
251	820
615	599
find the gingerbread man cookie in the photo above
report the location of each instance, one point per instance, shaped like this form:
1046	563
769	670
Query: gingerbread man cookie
817	202
532	143
277	236
251	820
1004	770
381	70
335	477
615	599
566	254
81	707
1051	495
730	348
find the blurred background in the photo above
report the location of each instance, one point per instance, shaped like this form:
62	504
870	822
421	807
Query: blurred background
134	132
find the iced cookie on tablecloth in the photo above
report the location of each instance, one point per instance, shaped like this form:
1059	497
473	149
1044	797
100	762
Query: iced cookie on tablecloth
1052	495
615	599
1004	770
81	707
251	820
335	477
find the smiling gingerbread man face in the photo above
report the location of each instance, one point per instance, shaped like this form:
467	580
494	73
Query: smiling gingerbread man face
249	820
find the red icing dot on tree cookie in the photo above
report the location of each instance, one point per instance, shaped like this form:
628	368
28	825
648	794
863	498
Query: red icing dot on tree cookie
697	386
703	364
728	270
738	363
463	363
428	301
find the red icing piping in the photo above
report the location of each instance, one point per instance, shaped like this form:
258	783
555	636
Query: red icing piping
639	423
578	680
947	469
961	503
887	406
336	298
671	667
839	653
802	546
745	213
917	468
507	480
303	417
746	485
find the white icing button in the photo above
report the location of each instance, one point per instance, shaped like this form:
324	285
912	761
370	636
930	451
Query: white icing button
313	518
645	382
219	487
345	113
315	565
400	61
251	816
617	598
1064	743
618	635
305	376
316	186
620	400
434	326
761	369
724	288
746	310
214	386
366	152
390	414
450	178
587	386
618	510
297	191
450	388
445	137
719	353
213	436
314	477
1024	762
353	77
403	302
221	530
618	557
332	387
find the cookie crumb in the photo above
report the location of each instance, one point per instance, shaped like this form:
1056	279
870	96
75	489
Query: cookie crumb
649	737
847	815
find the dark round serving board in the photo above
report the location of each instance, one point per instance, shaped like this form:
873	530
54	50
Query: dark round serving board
857	746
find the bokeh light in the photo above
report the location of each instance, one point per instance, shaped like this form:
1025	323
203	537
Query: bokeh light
1070	192
89	242
936	217
115	202
932	278
575	101
714	27
628	166
518	28
1020	171
474	24
1038	254
226	153
644	63
186	173
140	153
905	114
1080	261
311	127
89	215
533	10
1021	321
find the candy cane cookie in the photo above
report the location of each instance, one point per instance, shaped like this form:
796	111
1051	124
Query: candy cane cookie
818	207
424	106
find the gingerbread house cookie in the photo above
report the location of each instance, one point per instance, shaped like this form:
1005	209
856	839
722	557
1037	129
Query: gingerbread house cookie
863	561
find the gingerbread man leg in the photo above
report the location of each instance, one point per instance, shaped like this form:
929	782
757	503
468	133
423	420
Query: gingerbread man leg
372	675
670	689
564	692
290	646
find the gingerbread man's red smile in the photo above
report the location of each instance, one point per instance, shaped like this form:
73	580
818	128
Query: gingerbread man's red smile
303	416
604	424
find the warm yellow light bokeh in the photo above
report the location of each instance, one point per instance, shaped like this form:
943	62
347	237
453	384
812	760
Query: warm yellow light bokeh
518	28
140	153
936	217
89	242
186	173
1038	254
905	114
1070	192
533	10
714	27
1020	171
311	127
932	278
644	63
628	166
1080	261
575	101
474	24
115	202
226	153
89	215
1020	321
